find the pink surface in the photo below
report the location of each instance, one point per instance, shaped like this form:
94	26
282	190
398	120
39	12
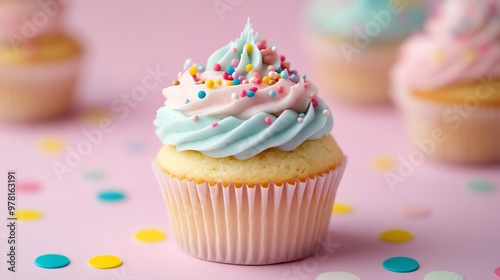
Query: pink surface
461	232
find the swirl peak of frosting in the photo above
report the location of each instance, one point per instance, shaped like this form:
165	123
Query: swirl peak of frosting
460	43
245	101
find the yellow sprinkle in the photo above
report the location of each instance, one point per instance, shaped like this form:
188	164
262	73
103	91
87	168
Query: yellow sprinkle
249	67
218	82
396	236
272	82
383	162
229	83
266	79
28	215
249	48
438	57
469	55
278	77
193	70
210	84
176	83
342	208
105	262
202	82
150	235
51	145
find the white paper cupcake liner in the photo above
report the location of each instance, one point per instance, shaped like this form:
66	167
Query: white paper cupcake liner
468	136
37	91
250	225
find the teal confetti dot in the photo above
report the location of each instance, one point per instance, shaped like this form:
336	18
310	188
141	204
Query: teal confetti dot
51	261
111	196
202	94
401	264
481	186
94	175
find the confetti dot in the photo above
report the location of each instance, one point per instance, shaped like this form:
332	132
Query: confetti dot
248	67
209	84
51	145
383	162
28	186
28	215
249	48
496	273
401	264
193	70
150	235
202	94
51	261
105	261
111	196
414	211
217	67
337	275
342	208
396	236
443	275
481	186
94	175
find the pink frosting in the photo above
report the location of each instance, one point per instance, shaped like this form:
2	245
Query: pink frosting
220	102
461	43
28	18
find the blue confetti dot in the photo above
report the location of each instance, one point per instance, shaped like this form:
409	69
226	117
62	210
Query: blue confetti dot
202	94
111	196
294	78
278	70
401	264
201	68
304	76
284	74
272	93
230	70
186	101
236	82
250	93
51	261
302	115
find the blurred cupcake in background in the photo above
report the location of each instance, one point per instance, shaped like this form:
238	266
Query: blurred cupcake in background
39	63
447	83
352	44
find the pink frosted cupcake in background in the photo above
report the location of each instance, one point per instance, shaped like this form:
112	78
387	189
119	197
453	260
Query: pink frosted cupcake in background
39	63
248	167
447	83
352	44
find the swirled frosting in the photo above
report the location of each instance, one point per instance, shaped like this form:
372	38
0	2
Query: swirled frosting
460	43
347	18
219	113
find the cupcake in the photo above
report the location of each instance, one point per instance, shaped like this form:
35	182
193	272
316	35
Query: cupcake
447	83
353	44
248	168
39	63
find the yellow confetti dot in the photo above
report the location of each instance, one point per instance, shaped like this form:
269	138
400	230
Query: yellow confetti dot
51	145
469	55
176	83
229	83
266	79
218	82
28	215
342	208
193	70
249	67
249	48
210	84
438	57
383	163
105	261
150	235
396	236
272	82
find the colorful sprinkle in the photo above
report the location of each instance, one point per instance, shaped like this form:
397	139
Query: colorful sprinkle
235	62
284	74
215	124
186	101
234	50
326	113
256	75
278	69
195	118
300	120
341	208
304	76
481	186
105	261
193	70
230	70
94	175
282	58
210	84
258	81
274	48
401	264
218	82
249	48
244	82
383	163
202	94
243	93
272	93
496	272
111	196
28	215
396	236
273	75
266	79
201	68
236	82
260	45
337	275
294	78
217	67
234	96
268	120
271	68
250	93
150	235
443	275
249	67
302	115
315	103
51	261
314	96
228	83
414	211
51	145
28	186
306	85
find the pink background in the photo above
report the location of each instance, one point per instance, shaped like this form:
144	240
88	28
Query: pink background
123	39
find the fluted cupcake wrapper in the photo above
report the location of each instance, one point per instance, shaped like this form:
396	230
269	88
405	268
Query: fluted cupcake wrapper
37	91
461	133
250	225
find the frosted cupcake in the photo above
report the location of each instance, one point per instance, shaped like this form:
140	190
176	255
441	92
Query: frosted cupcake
39	68
447	83
353	44
248	168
